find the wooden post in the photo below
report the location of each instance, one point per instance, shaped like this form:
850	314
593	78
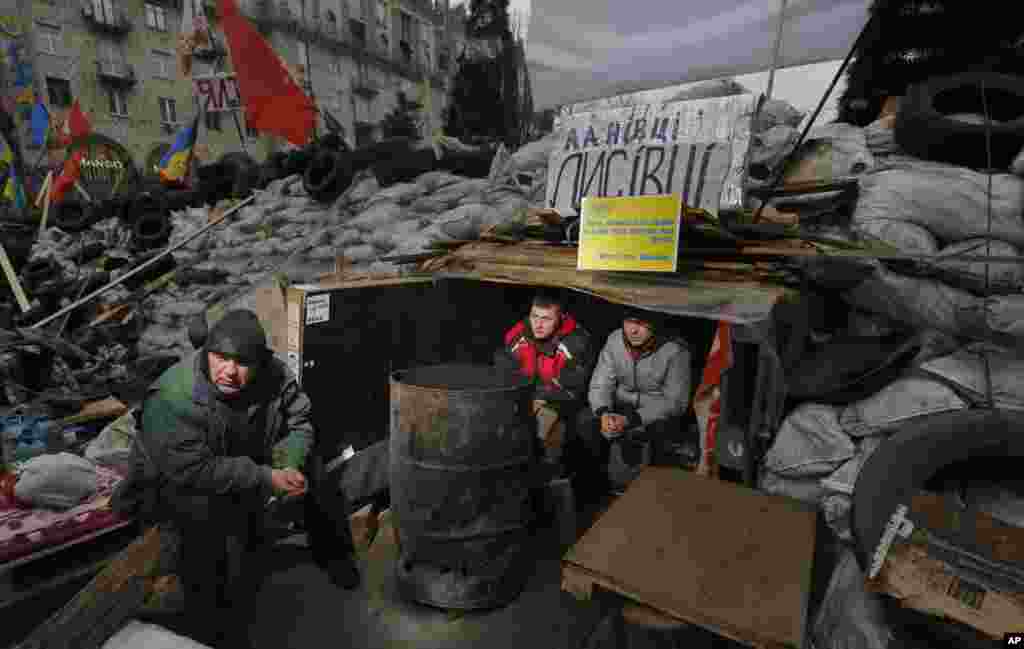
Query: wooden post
44	190
12	279
46	210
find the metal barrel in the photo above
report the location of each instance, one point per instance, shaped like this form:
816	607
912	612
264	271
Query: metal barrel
461	454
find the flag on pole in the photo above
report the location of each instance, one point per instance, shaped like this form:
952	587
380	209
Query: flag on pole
76	125
40	123
274	102
173	167
68	177
707	401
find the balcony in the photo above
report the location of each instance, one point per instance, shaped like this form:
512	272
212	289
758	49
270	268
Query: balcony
116	24
117	73
211	53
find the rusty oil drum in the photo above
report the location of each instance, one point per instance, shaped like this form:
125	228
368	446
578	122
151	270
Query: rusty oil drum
461	452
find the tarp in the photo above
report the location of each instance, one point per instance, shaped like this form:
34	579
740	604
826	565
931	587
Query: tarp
579	50
742	299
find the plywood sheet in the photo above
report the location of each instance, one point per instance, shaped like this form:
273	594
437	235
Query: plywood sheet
716	554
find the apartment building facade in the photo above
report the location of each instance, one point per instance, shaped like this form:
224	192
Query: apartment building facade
117	57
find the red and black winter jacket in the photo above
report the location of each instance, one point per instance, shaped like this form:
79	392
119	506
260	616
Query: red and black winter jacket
559	366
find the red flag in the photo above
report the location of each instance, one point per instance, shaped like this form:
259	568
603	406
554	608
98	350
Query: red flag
78	123
67	178
707	402
274	103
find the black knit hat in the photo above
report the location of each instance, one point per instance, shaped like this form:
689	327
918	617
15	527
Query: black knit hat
239	335
651	318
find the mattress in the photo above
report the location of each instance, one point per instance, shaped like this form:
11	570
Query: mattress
25	531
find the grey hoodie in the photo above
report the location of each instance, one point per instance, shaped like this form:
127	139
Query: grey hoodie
657	384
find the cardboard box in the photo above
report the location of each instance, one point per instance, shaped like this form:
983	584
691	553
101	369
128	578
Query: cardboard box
955	563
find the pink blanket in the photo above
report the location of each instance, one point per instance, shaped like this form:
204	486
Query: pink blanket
26	530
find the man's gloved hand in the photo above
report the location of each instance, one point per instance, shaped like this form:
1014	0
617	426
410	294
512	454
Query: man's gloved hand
289	482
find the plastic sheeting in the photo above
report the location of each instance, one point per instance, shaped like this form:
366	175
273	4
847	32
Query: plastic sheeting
975	275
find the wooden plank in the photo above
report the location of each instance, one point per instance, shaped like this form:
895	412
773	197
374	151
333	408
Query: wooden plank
715	554
110	598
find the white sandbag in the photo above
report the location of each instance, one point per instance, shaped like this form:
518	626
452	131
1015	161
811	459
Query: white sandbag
347	237
934	343
1005	314
965	368
432	204
903	235
1018	164
808	490
499	163
402	193
897	403
844	479
830	152
466	221
920	303
363	253
881	138
971	275
57	481
850	617
453	194
432	181
323	253
810	442
364	186
532	156
950	201
141	635
113	446
836	509
377	216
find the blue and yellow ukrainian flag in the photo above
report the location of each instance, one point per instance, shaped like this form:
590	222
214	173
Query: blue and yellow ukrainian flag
174	165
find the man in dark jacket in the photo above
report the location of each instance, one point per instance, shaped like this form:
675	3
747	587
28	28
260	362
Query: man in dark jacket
638	395
224	433
553	350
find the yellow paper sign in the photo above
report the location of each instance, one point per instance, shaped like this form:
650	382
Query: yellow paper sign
638	233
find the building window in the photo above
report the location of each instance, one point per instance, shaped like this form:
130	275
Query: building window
168	111
118	102
49	39
156	17
213	121
162	65
332	21
103	12
59	91
406	28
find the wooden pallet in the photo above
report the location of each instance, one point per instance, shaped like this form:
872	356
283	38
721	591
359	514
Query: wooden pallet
100	609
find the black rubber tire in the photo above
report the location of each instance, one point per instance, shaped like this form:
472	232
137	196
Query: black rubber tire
923	128
73	217
144	203
38	271
906	461
180	199
240	172
151	230
327	176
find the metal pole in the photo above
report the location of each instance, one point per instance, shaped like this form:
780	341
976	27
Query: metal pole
135	271
778	49
309	68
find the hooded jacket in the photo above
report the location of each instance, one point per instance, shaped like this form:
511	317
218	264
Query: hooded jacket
558	366
192	438
655	383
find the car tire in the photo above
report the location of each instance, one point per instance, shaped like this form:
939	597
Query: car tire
327	176
73	217
903	463
925	129
151	230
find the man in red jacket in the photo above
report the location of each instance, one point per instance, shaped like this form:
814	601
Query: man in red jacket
553	350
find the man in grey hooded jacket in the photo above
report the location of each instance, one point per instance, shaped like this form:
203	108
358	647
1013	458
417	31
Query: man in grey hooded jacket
639	393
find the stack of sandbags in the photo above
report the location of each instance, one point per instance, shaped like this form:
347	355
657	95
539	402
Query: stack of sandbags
284	234
924	207
819	449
